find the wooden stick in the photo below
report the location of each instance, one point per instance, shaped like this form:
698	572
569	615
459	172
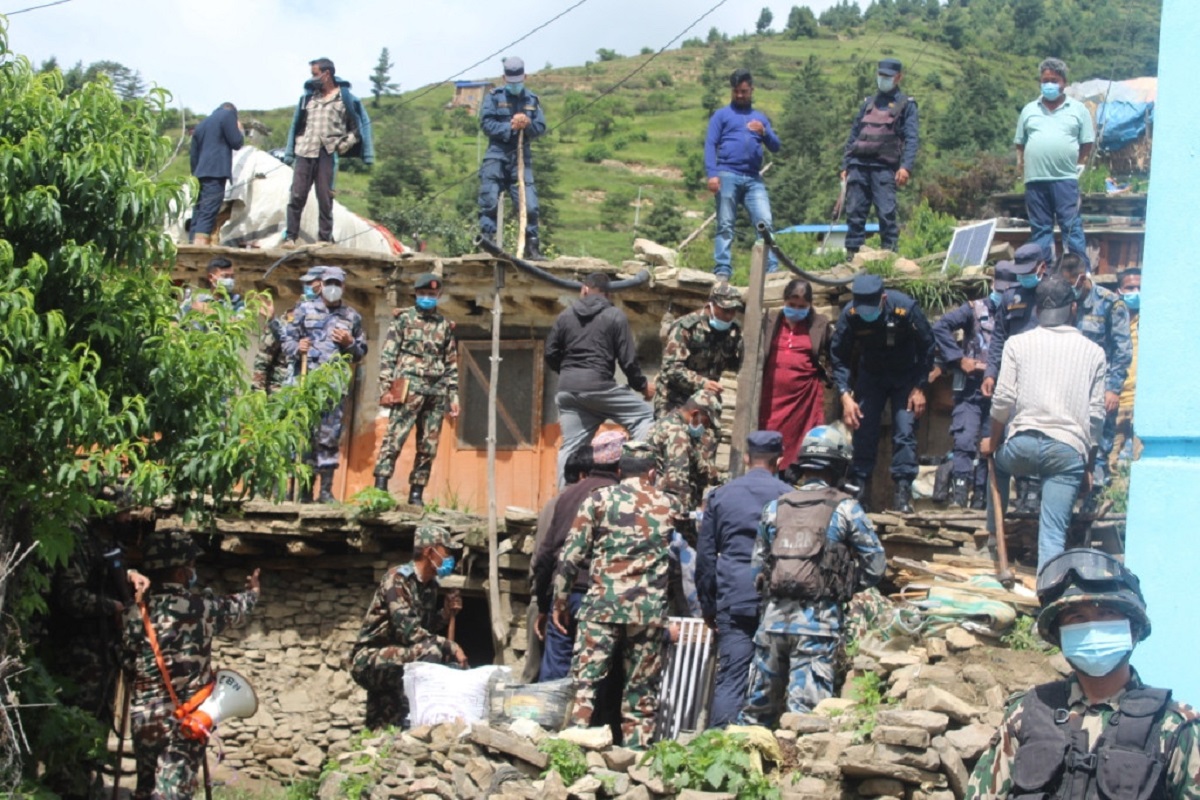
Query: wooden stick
522	214
1004	575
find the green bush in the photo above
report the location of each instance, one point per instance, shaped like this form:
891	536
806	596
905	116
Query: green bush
566	758
595	152
715	761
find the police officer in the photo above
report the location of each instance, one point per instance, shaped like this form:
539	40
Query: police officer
506	112
322	330
879	156
698	348
421	349
1062	739
815	548
728	599
400	624
895	356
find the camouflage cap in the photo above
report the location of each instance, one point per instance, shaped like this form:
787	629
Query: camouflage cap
433	535
606	447
708	402
725	296
170	548
638	450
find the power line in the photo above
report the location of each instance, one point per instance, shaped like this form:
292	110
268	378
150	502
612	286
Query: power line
35	8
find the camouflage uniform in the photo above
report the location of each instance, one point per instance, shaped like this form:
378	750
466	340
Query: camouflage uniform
694	353
315	321
993	774
625	529
271	371
396	630
684	466
420	346
797	639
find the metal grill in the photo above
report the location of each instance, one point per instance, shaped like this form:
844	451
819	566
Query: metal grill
683	699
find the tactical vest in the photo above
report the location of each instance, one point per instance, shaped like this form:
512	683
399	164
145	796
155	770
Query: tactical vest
804	564
1053	760
976	345
878	137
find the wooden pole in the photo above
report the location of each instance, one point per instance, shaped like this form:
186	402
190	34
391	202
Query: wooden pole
499	625
749	392
522	217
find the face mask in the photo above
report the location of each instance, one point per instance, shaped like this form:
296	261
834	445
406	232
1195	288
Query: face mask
796	314
869	313
1050	91
427	303
331	293
885	84
997	298
719	324
1096	648
310	293
1133	300
227	284
514	88
695	431
1029	281
446	567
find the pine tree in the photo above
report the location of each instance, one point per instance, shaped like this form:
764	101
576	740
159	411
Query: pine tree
381	77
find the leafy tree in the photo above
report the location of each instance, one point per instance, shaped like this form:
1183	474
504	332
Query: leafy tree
127	82
841	17
664	224
616	211
604	54
804	184
802	23
715	35
381	78
765	18
980	116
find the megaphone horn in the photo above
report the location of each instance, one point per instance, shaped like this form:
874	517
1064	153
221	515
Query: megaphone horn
232	697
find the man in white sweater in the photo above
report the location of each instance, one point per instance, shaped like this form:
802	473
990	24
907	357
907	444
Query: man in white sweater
1050	395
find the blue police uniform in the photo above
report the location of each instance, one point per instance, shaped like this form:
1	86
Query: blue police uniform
499	170
1016	314
1104	318
976	320
725	584
895	357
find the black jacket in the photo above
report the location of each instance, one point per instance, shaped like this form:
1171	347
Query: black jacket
585	343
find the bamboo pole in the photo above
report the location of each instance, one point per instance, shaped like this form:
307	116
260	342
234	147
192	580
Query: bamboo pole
522	214
499	626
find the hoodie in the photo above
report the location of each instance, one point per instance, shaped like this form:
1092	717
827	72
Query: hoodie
587	341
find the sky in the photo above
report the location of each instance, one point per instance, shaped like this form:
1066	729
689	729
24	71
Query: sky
255	53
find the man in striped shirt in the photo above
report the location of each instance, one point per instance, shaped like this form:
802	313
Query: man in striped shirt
1050	395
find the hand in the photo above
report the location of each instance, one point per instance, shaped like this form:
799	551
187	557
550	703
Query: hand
267	309
252	583
539	626
842	176
1086	488
970	365
934	374
648	392
1111	401
901	176
454	409
714	185
713	386
987	447
756	126
851	413
460	657
304	345
916	402
673	632
341	336
711	622
520	122
989	386
453	603
560	618
240	128
139	582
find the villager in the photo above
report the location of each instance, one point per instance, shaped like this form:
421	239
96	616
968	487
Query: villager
1102	316
698	348
879	156
418	382
728	600
584	346
1054	139
625	530
329	122
895	355
1063	739
797	369
815	548
733	157
510	114
322	330
220	287
400	627
179	623
604	456
1051	398
213	143
1130	285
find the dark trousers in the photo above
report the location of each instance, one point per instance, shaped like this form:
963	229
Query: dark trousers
204	216
1046	201
556	649
735	653
872	392
307	172
498	175
867	186
967	421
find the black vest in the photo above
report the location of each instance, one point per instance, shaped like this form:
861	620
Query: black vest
878	137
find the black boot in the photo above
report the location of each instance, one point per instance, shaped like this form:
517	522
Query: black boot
863	493
381	482
960	490
533	250
326	495
304	494
902	501
1029	497
414	495
979	499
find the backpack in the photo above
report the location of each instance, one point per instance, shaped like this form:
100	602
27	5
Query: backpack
804	564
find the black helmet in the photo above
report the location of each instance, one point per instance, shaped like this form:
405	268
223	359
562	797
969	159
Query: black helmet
824	447
1083	575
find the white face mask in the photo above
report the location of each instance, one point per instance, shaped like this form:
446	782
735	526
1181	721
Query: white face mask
331	292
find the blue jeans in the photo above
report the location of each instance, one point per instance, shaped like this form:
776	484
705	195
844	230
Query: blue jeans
1046	201
1059	467
556	649
750	191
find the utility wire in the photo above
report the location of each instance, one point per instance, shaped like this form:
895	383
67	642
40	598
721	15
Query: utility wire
35	8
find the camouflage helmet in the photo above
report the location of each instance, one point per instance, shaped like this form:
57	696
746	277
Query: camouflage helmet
824	447
708	402
433	535
1083	576
170	548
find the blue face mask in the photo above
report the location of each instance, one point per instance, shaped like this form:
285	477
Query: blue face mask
1029	281
427	303
719	324
997	298
1050	91
869	313
1133	300
796	314
695	431
885	84
446	567
309	294
1096	648
514	88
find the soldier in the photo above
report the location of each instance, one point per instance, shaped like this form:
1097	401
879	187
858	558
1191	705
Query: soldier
625	530
322	330
699	347
895	356
421	350
684	449
1062	739
270	367
399	627
816	547
728	600
177	623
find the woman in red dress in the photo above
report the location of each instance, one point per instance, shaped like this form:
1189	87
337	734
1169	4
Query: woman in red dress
795	375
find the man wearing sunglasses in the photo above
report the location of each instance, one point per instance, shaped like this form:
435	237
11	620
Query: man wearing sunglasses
1101	732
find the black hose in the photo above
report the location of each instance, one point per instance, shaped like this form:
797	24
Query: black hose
769	240
493	249
285	257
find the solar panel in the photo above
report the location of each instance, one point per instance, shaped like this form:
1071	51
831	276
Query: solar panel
970	245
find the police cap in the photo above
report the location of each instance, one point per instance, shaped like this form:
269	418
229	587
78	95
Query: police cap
313	274
867	288
428	280
766	443
334	274
890	66
1004	277
514	70
1027	257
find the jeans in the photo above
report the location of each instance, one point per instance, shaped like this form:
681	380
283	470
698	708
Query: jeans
750	191
1046	201
1059	467
867	186
308	172
580	415
557	647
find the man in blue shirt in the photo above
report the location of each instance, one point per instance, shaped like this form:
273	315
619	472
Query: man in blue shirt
879	156
733	161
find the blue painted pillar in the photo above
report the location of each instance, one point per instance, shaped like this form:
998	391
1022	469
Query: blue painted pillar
1163	540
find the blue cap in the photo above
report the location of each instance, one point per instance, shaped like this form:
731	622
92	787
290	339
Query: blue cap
890	66
866	289
334	274
1027	257
765	443
1004	277
314	273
